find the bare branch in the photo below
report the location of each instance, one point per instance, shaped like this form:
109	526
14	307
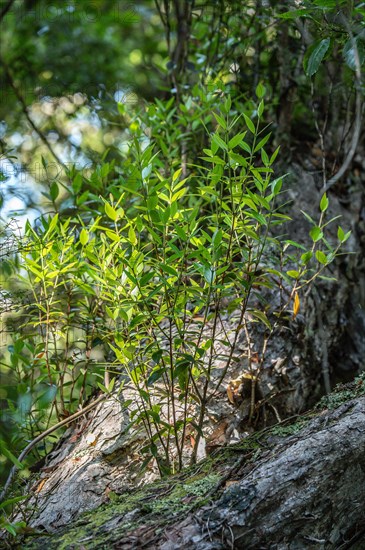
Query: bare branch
5	9
27	115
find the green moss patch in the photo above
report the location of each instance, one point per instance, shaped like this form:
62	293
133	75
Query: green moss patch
343	393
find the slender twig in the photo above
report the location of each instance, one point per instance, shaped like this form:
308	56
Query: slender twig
5	9
27	115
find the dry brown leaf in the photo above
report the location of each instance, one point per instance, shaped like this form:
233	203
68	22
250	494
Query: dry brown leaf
230	394
40	485
218	436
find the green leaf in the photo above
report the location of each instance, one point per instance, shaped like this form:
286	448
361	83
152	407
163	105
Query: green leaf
261	316
315	55
54	191
249	202
307	216
176	175
176	196
153	448
215	160
262	143
109	312
103	388
220	121
34	270
181	233
6	452
274	155
112	235
236	140
237	159
82	198
276	186
227	104
258	217
132	236
84	237
155	375
111	385
52	226
121	108
156	355
12	501
219	142
217	238
316	233
182	367
152	202
11	529
293	274
110	212
293	14
77	183
265	158
323	205
168	269
261	108
295	244
341	235
306	257
260	90
209	275
250	124
321	257
165	214
245	146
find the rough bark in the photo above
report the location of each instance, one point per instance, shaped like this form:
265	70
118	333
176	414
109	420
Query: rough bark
307	492
302	491
93	458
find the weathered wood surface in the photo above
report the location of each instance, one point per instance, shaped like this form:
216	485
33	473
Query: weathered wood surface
94	457
308	492
302	491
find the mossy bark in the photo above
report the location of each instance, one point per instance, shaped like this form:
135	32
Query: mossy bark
273	490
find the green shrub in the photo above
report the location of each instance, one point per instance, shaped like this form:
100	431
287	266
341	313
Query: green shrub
139	288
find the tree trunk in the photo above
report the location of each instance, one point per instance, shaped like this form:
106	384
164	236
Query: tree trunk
273	490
